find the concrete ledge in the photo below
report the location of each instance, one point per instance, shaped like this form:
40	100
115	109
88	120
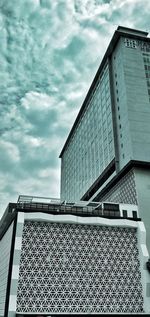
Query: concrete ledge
81	220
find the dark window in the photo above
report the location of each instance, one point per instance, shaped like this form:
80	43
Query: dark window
134	213
109	206
148	83
124	213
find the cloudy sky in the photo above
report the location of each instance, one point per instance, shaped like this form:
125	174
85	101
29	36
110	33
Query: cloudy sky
49	54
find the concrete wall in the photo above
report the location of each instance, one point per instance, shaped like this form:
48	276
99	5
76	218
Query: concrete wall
15	266
137	102
5	246
144	256
132	103
142	178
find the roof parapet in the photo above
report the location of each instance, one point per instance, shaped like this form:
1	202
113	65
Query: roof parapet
132	31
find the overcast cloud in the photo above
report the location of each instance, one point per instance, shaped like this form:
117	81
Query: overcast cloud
49	54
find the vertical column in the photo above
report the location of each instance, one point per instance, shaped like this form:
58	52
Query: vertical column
113	108
6	253
145	275
15	266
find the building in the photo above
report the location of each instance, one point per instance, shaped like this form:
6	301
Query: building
106	156
86	253
61	259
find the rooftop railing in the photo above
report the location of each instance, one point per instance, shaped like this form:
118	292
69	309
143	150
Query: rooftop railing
82	208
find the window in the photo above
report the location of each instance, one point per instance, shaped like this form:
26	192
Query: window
124	212
148	83
130	43
134	213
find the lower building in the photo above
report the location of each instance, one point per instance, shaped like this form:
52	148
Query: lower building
131	185
58	258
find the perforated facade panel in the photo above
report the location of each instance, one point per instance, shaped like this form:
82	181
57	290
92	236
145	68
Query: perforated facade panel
75	268
124	191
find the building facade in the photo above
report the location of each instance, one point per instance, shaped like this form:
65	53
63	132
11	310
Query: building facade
107	153
81	259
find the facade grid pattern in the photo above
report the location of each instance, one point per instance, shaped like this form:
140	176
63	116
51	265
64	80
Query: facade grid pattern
91	148
124	191
75	268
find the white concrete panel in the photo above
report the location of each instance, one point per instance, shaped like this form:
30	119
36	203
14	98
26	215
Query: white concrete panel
12	303
21	217
81	220
15	272
18	243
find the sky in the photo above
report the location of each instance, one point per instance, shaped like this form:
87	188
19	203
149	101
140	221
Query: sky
49	54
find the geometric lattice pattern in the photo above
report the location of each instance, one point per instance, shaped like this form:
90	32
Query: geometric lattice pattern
75	268
124	191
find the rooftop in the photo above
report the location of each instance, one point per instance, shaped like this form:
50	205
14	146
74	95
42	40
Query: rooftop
55	206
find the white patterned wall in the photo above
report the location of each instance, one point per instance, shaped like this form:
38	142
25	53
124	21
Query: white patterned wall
76	268
5	246
124	191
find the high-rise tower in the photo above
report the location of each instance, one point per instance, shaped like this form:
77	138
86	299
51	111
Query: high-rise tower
107	153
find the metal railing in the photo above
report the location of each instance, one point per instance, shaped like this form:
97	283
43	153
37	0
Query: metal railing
56	206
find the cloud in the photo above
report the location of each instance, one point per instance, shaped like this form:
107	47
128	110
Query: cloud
37	101
10	155
50	52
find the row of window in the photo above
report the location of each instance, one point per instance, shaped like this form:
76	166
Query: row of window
147	67
147	71
91	147
134	44
146	60
118	110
